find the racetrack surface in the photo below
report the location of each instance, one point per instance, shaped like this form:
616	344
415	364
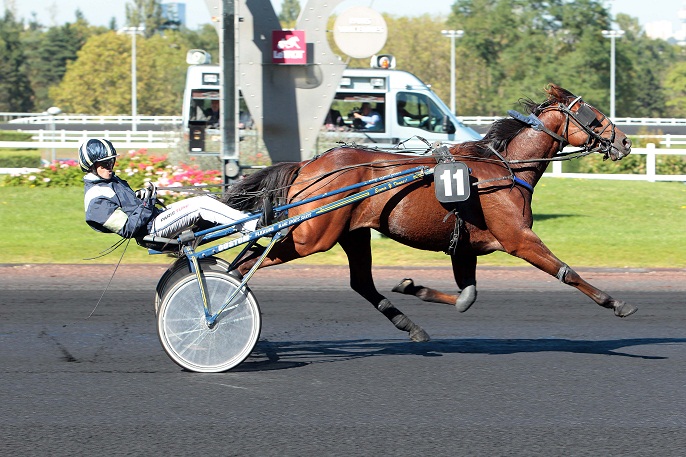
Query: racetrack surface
534	368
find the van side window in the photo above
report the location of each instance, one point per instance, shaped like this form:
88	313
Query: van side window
416	110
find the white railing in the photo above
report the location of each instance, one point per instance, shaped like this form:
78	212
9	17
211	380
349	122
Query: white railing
667	140
647	121
126	139
83	119
42	118
650	175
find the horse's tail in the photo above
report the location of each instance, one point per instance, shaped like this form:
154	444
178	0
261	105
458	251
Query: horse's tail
270	183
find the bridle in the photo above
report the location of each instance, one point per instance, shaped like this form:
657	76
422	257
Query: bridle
584	118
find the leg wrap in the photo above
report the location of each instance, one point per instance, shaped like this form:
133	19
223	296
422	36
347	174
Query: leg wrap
563	272
394	315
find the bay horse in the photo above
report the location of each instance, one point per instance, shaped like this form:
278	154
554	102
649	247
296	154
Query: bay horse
504	168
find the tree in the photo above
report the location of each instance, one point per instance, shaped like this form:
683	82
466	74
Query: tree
48	59
205	38
675	87
99	81
15	89
290	10
513	46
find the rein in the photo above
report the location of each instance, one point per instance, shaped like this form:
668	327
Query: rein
584	118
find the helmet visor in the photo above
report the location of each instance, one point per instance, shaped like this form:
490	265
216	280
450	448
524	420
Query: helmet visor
107	163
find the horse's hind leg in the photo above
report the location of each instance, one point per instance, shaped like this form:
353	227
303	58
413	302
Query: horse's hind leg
464	271
356	245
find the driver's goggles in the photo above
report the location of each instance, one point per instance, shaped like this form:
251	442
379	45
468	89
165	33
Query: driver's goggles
107	163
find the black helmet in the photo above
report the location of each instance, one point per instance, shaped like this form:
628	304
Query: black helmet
95	150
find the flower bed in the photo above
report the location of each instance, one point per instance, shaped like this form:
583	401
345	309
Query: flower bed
137	168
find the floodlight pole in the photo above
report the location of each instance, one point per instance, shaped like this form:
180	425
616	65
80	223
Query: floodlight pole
134	95
452	34
612	35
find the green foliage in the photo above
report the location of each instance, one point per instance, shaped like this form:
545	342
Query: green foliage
99	81
48	56
675	87
15	89
11	135
19	158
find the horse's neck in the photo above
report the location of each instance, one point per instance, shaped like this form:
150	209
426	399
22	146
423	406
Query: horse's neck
533	145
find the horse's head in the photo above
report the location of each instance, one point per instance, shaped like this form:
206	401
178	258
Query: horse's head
586	127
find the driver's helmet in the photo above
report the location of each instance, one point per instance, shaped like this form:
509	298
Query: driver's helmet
95	150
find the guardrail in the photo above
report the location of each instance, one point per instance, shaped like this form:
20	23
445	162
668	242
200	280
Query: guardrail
650	175
667	140
647	121
42	118
66	139
83	119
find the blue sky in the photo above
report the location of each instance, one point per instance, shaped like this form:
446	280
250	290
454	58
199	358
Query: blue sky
100	12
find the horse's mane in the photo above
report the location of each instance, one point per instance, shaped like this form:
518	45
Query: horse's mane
504	130
271	183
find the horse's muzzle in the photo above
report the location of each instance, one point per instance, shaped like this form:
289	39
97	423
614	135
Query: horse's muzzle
620	148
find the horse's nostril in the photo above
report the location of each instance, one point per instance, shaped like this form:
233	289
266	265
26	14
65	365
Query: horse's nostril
626	143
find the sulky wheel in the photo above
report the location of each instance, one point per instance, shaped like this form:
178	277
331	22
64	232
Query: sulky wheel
181	268
185	334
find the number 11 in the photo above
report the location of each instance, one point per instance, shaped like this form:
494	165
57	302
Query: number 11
459	179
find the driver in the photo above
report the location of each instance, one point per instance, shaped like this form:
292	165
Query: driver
113	207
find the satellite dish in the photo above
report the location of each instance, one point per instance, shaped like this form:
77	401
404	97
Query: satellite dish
360	32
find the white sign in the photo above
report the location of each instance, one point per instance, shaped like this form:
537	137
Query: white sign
360	32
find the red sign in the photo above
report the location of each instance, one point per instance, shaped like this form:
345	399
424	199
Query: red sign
288	46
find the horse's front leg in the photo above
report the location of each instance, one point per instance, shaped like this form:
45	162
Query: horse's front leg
528	246
464	271
357	247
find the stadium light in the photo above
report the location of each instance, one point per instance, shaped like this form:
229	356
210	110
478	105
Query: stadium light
134	95
452	34
612	35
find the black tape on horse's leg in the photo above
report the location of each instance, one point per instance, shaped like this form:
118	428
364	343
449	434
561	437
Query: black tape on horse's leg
401	321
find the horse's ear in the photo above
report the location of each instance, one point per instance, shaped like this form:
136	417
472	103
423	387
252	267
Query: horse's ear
558	93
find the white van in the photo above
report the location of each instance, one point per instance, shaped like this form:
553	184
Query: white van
407	107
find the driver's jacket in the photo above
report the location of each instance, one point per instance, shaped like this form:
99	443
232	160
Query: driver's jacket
112	206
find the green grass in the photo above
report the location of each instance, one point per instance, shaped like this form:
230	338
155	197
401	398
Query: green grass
592	223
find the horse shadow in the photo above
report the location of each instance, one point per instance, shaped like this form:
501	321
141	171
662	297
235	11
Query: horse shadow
545	217
280	355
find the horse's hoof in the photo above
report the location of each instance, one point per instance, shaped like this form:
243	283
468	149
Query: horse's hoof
466	299
418	335
624	309
402	287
